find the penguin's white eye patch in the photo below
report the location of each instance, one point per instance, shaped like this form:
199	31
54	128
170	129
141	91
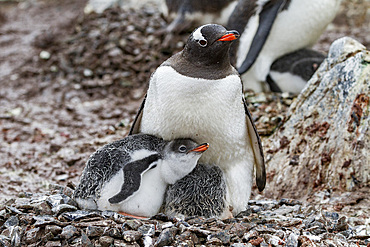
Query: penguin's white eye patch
202	42
182	149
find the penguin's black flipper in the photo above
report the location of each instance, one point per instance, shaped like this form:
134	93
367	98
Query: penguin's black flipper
132	173
136	124
266	20
257	149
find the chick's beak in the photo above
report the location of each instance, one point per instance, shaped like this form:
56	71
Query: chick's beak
229	36
200	149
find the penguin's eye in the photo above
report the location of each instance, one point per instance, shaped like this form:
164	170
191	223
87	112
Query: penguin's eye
202	42
182	149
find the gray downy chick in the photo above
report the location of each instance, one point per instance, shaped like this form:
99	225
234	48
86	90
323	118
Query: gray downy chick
200	193
131	175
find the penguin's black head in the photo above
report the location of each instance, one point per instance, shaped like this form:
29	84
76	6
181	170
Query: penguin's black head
210	44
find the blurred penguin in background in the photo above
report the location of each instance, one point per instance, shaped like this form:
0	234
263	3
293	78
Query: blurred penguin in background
272	29
187	13
291	72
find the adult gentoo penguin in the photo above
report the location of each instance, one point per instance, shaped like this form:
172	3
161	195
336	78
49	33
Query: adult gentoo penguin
197	94
131	175
184	12
272	28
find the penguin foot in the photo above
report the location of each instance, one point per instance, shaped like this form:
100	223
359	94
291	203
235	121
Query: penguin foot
132	216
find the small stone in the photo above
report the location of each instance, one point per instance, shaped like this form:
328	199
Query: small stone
16	235
166	237
63	208
131	236
148	241
272	240
45	220
249	235
94	231
69	231
106	241
12	221
223	236
45	55
289	202
85	241
331	215
62	177
122	243
4	241
342	224
53	244
32	235
78	215
147	229
199	232
238	229
88	72
292	240
183	243
41	208
55	200
47	237
214	242
13	210
256	241
113	232
115	52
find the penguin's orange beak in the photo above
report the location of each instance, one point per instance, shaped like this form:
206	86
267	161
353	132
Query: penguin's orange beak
200	149
229	36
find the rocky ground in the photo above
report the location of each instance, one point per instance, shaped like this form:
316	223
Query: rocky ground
71	83
54	220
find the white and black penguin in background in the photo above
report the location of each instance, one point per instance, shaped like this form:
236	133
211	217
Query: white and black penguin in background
291	72
272	28
185	13
197	94
131	175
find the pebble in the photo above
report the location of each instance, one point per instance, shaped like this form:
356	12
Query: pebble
69	231
94	231
131	236
106	241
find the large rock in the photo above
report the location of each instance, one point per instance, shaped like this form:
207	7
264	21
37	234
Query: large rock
325	140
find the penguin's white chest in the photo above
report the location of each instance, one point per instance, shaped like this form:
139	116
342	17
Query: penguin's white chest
297	27
210	111
144	202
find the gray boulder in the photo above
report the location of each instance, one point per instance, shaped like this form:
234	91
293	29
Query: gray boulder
324	142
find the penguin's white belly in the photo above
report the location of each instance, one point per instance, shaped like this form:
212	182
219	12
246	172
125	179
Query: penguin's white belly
298	27
288	82
145	202
210	111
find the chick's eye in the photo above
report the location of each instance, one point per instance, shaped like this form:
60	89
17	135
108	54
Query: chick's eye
202	42
182	148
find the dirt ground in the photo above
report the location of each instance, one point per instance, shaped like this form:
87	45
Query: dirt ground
60	101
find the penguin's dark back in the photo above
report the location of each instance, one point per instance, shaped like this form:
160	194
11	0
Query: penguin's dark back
303	63
239	18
